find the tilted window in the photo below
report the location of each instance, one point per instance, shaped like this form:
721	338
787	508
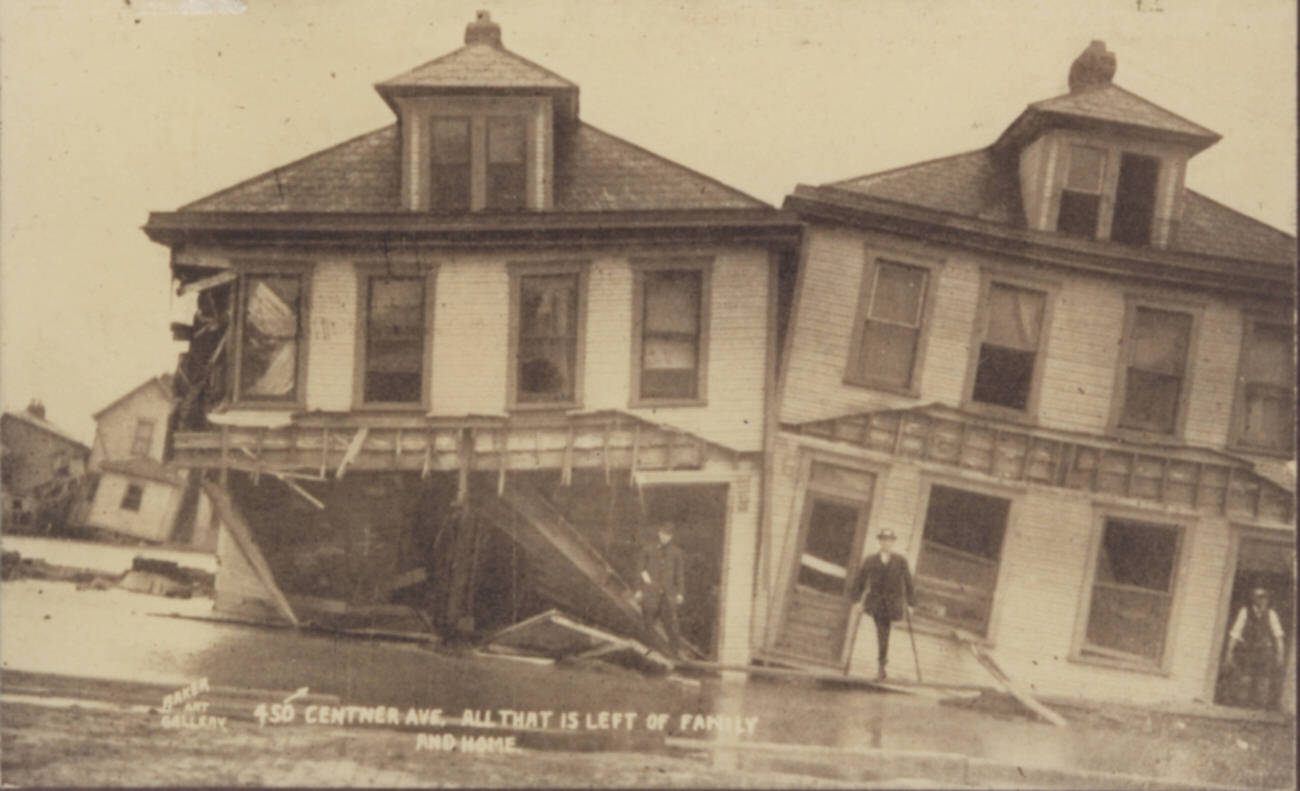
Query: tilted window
1109	194
961	548
1132	591
1081	196
888	334
271	334
143	438
1155	369
1135	199
547	338
394	341
1008	350
132	498
1265	407
669	344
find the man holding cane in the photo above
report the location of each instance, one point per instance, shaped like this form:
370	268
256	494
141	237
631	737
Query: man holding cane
885	585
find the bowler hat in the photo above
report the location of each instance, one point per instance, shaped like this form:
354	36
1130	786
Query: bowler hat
665	527
886	533
1259	593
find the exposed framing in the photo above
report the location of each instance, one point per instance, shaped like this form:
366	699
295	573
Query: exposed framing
517	271
640	267
1051	291
365	271
1250	320
1119	392
874	254
303	271
1178	575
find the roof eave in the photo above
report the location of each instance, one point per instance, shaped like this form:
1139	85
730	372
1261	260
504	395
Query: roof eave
1249	276
1034	122
566	96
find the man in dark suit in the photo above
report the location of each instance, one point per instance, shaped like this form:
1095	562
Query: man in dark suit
661	583
885	585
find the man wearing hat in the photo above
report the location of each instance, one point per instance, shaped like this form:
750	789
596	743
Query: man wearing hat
1255	647
885	585
661	583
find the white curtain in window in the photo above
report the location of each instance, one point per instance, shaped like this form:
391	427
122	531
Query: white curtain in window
1015	318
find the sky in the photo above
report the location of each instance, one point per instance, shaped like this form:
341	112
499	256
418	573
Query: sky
111	110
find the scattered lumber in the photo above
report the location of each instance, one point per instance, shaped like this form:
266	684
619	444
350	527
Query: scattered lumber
1004	681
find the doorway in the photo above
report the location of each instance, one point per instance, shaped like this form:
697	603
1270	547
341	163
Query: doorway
1267	563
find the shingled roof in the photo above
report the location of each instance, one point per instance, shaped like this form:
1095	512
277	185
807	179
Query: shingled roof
975	185
1113	104
479	65
594	171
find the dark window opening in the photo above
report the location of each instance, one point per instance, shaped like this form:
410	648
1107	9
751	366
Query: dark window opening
132	497
451	164
1135	199
1081	197
1157	359
394	340
268	366
961	548
1004	371
506	172
548	338
1132	590
670	334
828	545
1079	213
143	438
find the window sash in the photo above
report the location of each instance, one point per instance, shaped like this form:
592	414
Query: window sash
547	340
132	497
271	337
143	438
394	343
671	303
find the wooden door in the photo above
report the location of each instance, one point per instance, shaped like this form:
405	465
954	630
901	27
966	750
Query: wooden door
818	605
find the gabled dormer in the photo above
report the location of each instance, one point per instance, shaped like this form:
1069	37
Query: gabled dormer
1100	162
479	126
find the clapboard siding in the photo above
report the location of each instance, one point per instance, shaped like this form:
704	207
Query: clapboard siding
332	318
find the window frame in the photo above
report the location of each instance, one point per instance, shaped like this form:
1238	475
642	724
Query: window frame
1182	557
1119	392
141	422
303	271
1236	431
480	112
517	271
640	268
364	272
874	255
128	502
916	543
1050	289
1169	165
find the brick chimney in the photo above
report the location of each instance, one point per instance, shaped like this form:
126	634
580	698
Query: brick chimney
483	31
1094	68
36	408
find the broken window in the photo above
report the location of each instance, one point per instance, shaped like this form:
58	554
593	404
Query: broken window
1132	591
143	438
1265	388
268	362
547	341
836	502
670	347
394	351
1004	370
1081	196
1135	199
1156	365
961	548
451	164
132	497
506	171
889	329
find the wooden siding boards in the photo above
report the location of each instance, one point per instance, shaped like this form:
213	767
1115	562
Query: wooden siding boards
332	326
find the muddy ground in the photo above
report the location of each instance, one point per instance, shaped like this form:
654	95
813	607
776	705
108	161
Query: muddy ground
72	746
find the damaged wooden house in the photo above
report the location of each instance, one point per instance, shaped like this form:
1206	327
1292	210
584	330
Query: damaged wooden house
451	370
1065	380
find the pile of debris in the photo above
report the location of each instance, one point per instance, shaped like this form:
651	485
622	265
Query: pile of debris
146	575
552	637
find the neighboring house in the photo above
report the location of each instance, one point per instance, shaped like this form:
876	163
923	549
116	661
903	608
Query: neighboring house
1065	380
473	355
132	492
42	466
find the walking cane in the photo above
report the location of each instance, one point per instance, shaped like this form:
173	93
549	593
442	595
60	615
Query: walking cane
907	611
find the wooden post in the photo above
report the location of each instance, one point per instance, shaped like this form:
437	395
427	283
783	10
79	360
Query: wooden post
500	441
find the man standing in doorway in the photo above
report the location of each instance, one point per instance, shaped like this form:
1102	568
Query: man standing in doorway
1255	647
661	584
885	585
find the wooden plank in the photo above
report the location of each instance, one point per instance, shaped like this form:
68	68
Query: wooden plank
354	448
1004	682
206	283
243	537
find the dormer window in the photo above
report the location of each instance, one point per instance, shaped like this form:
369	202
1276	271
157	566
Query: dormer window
1093	182
507	174
452	177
